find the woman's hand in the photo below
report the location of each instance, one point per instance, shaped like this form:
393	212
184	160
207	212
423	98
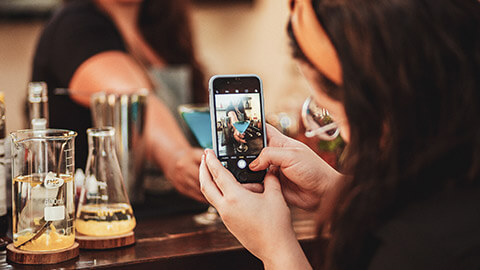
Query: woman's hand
304	176
239	137
184	173
260	221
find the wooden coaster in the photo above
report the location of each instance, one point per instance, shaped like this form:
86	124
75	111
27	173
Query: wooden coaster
105	242
41	257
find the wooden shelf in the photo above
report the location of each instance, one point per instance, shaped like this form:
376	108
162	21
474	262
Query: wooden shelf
177	242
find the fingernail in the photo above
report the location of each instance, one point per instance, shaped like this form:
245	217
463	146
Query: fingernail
203	157
254	164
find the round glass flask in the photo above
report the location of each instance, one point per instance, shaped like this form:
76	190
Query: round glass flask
103	208
43	189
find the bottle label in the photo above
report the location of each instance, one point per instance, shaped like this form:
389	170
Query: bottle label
3	180
54	213
52	182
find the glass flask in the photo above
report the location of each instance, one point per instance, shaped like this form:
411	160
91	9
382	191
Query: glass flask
103	208
43	197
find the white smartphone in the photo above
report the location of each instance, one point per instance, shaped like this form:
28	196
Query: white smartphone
238	123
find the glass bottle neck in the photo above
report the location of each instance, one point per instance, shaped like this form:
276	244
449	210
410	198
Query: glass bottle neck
101	142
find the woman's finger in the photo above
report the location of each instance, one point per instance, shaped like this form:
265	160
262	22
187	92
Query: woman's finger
239	138
277	139
272	184
276	156
207	185
272	132
222	177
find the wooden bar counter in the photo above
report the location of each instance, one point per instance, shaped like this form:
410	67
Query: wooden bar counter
175	241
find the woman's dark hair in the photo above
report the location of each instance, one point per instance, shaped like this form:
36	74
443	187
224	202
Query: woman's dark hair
411	91
165	25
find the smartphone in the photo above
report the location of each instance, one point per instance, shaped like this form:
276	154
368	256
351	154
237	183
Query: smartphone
238	123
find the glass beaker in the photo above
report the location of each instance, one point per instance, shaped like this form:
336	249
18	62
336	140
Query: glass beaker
103	208
43	189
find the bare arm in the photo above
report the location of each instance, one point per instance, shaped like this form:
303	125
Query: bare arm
233	117
237	135
166	144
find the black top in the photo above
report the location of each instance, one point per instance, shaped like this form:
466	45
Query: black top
75	33
238	109
441	232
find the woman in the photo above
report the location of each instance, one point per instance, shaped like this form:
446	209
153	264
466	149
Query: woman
122	45
402	80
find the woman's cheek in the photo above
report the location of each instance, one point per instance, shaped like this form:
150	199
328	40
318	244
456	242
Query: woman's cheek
345	132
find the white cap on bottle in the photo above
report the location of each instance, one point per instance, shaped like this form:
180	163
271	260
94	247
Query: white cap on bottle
39	123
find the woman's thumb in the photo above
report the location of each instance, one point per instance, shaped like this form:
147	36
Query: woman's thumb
272	184
269	156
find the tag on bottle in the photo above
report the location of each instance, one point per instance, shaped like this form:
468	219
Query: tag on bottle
52	182
54	213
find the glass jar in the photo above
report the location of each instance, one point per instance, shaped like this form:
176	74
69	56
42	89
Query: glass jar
43	199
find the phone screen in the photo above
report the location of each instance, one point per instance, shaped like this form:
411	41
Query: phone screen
239	124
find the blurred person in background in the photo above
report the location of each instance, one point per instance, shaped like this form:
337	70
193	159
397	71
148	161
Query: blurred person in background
120	46
235	113
402	80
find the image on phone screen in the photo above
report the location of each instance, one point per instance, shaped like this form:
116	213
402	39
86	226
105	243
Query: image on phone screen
239	132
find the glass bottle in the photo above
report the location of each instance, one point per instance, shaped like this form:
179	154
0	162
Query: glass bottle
37	101
3	172
104	208
43	189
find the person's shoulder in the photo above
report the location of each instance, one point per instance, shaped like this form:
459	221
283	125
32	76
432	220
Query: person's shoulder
78	14
440	232
76	32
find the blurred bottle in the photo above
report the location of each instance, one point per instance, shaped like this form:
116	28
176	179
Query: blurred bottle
39	123
37	101
285	122
3	172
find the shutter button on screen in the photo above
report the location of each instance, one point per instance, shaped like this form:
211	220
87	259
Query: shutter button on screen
241	164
